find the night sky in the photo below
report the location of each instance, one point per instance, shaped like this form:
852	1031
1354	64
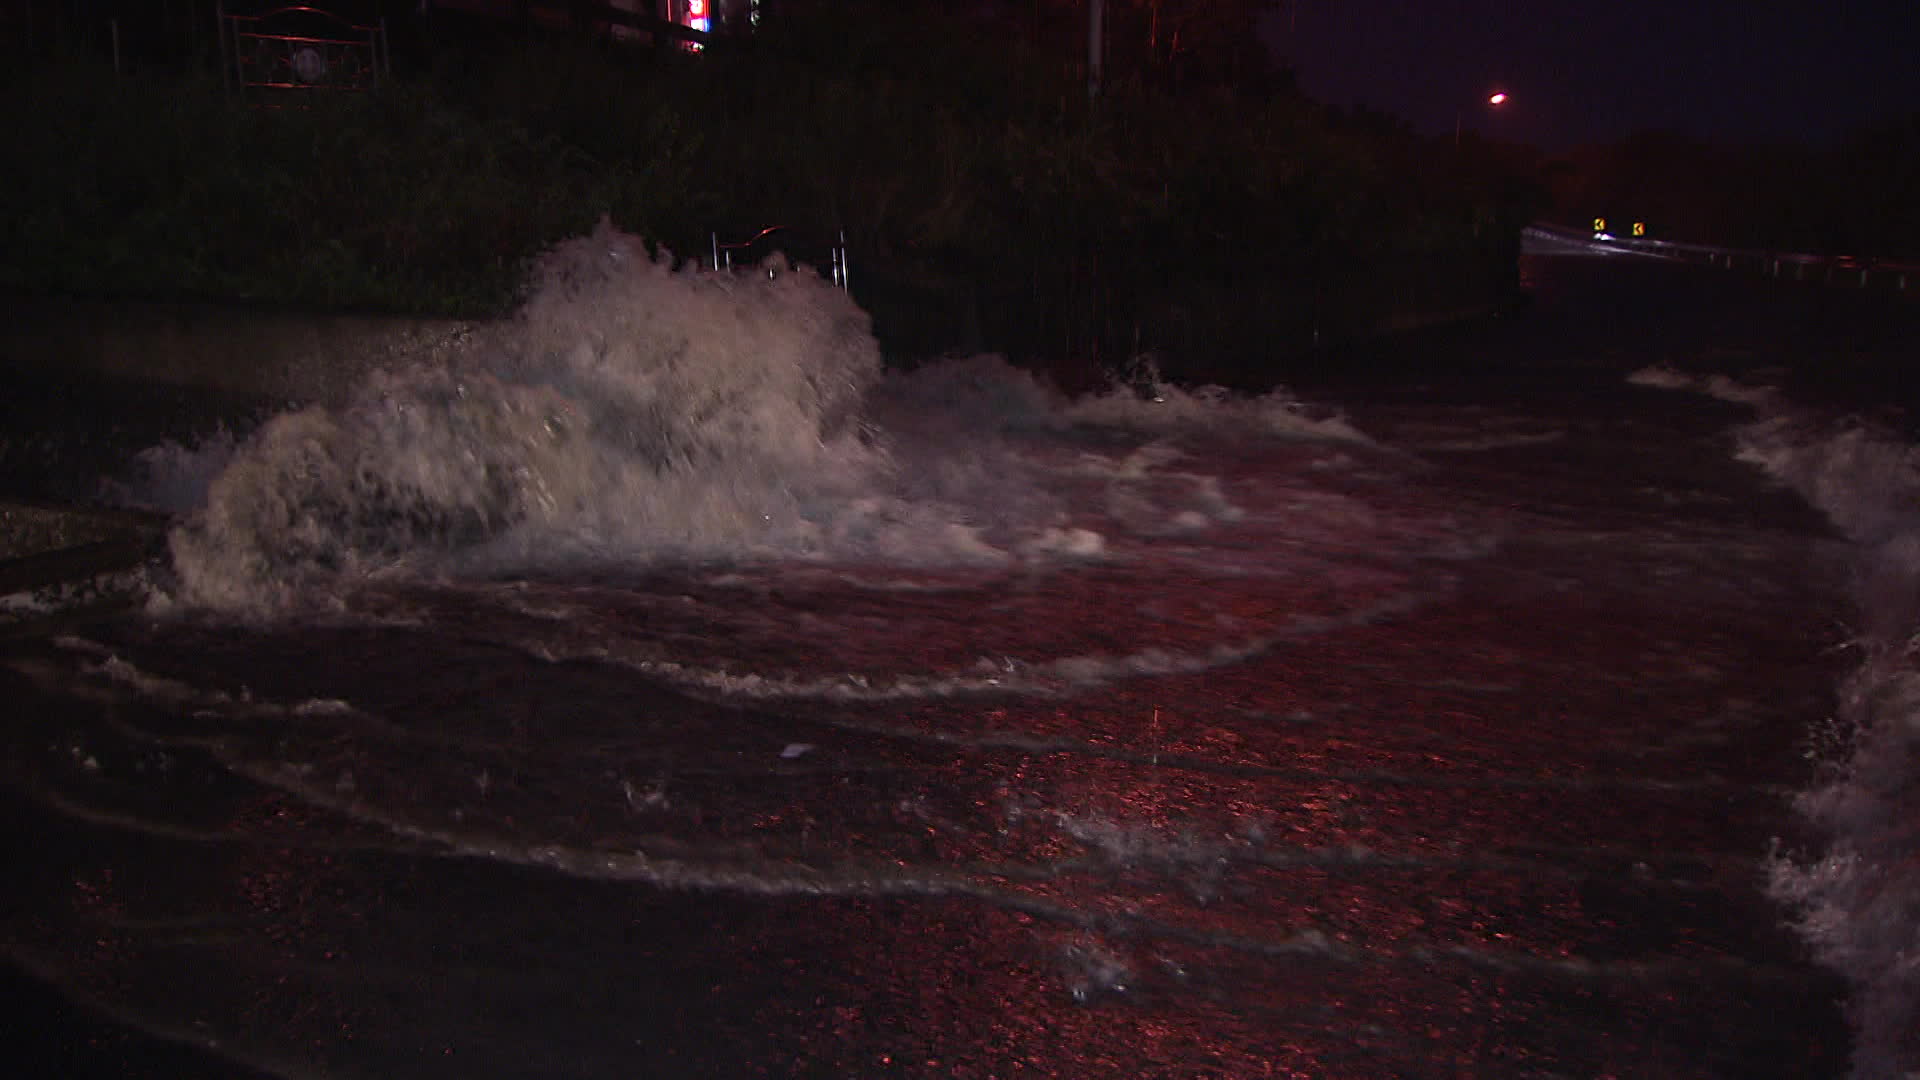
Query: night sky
1592	70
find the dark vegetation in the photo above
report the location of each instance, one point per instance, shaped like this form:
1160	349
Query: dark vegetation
1199	208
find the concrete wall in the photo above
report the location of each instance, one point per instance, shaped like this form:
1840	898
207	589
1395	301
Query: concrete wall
285	356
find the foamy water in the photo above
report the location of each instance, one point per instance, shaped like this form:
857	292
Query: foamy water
733	436
1858	901
665	581
708	481
643	413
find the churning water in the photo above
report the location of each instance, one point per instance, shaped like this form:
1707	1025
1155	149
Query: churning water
1858	901
662	688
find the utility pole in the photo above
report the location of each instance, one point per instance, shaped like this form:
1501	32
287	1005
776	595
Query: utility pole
1096	37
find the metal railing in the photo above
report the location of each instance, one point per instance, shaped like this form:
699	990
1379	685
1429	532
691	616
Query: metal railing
288	51
722	254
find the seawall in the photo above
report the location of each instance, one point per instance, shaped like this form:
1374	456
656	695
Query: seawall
285	356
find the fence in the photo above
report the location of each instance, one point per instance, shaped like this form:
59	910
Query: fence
290	51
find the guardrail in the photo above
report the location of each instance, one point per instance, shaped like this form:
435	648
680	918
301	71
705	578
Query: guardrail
1855	271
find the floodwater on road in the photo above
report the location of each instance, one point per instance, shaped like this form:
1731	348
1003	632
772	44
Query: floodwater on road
855	725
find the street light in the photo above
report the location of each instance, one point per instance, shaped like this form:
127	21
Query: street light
1494	100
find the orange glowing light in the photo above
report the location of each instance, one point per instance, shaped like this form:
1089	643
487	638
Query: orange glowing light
1498	99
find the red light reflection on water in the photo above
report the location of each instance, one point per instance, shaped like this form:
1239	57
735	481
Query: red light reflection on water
1432	843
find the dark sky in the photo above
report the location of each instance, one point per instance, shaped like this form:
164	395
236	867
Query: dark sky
1589	70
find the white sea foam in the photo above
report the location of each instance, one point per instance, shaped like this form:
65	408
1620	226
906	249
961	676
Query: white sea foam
1143	401
637	412
1663	378
173	477
1865	479
632	407
1757	395
1858	902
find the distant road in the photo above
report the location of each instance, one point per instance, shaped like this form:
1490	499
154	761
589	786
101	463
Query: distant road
1553	240
1856	271
1599	306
